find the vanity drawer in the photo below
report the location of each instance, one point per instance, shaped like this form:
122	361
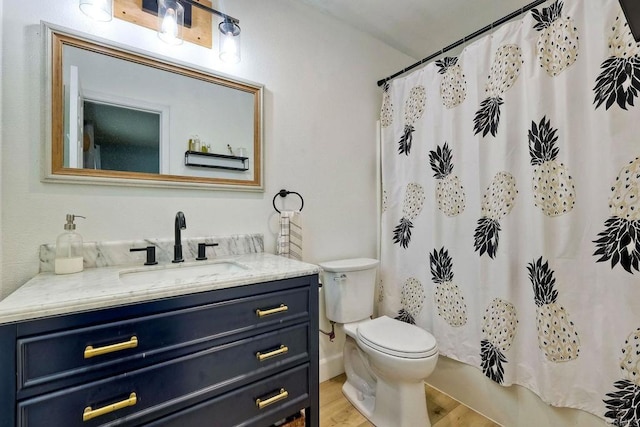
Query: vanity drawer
288	391
97	351
172	385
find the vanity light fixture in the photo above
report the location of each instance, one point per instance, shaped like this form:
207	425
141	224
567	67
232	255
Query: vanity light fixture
99	10
173	17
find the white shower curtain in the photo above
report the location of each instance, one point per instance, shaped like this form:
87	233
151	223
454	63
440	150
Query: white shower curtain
511	219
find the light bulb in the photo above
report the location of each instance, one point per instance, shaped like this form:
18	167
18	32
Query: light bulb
229	50
229	42
170	21
169	28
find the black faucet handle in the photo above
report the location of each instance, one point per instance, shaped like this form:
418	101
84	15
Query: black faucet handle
201	250
151	254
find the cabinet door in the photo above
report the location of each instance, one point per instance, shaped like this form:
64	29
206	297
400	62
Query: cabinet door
61	356
258	404
169	386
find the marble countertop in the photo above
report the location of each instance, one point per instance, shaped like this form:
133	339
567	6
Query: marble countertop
48	294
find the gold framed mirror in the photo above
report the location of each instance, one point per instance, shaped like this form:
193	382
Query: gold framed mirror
119	116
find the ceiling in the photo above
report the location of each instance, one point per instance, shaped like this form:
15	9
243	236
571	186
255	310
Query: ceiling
418	28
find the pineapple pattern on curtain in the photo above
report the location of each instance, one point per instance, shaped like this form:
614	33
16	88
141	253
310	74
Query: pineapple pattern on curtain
511	211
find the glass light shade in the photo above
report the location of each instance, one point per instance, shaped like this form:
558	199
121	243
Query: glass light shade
229	42
170	21
99	10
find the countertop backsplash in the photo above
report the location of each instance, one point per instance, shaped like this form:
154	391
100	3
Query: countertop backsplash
116	253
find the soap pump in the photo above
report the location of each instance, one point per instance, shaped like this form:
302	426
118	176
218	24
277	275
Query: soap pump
69	248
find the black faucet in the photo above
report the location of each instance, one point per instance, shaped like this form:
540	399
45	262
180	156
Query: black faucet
202	247
180	224
151	254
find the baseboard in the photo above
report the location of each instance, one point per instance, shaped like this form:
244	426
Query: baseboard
331	367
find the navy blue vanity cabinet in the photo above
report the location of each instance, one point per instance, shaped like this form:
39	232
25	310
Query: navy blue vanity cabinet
242	356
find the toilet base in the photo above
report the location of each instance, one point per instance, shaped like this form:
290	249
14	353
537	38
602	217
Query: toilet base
393	405
364	404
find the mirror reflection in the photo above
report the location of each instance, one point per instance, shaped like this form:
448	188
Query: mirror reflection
125	115
119	138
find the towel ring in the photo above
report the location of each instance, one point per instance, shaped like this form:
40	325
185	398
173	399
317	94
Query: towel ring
284	193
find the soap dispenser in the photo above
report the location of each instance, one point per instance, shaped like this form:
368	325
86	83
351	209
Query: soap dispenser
69	249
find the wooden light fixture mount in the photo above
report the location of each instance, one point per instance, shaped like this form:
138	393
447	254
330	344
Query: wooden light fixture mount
198	30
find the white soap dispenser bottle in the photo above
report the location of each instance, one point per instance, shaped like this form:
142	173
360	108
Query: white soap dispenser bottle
69	249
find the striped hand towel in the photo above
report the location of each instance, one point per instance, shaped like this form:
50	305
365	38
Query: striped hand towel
290	236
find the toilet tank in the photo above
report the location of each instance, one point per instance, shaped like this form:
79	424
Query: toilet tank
349	286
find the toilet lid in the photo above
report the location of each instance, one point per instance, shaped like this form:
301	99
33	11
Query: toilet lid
397	338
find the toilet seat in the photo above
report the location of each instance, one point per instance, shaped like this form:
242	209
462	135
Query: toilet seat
397	338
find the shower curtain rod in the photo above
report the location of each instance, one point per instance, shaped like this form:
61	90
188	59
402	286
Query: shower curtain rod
465	39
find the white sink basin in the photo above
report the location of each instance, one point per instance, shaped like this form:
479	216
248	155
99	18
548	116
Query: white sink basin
181	272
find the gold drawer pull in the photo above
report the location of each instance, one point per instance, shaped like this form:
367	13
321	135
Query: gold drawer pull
90	352
264	403
93	413
282	350
262	313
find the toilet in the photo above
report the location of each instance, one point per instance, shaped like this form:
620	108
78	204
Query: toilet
385	360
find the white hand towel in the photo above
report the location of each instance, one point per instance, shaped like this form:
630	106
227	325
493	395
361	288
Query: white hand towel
290	236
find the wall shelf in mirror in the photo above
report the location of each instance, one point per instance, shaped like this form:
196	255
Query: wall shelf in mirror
103	145
216	161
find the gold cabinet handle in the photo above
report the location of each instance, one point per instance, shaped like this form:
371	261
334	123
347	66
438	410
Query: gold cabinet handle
90	352
282	350
270	401
93	413
262	313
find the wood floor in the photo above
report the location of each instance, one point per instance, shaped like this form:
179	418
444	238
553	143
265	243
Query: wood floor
335	409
